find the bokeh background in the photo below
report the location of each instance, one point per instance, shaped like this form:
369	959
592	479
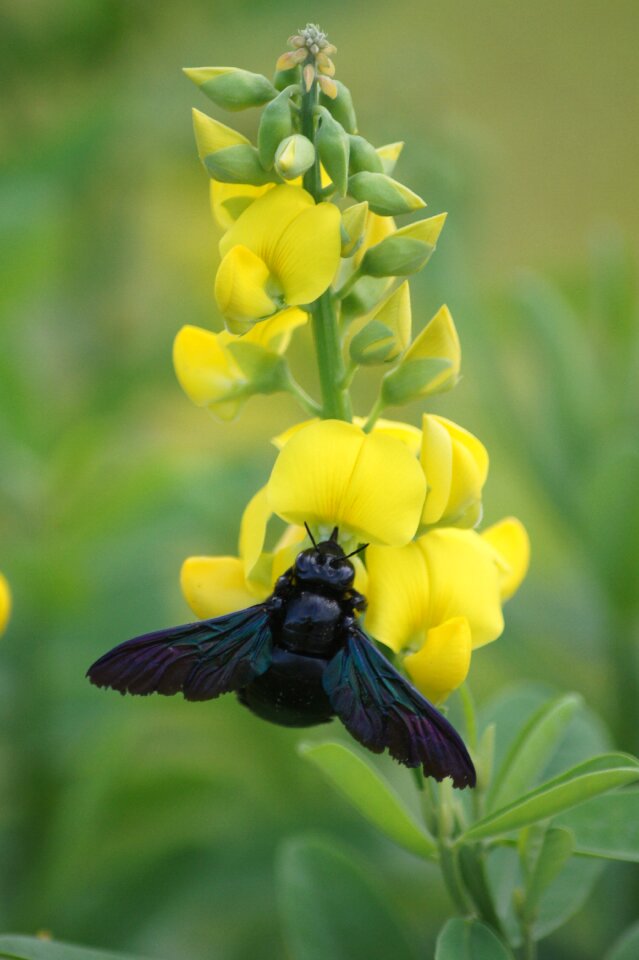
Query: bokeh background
152	826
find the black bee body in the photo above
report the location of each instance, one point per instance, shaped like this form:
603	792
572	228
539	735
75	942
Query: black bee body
311	612
298	659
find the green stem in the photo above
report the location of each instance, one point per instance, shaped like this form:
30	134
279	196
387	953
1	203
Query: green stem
373	416
305	401
336	402
452	879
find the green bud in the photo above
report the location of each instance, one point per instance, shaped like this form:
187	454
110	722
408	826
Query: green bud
276	123
239	164
385	196
406	251
286	78
333	148
364	156
294	156
409	381
232	88
373	344
341	107
389	155
353	226
364	298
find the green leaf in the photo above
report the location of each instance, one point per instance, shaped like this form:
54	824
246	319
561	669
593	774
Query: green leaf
371	794
627	946
556	850
32	948
606	827
531	749
330	908
567	790
469	940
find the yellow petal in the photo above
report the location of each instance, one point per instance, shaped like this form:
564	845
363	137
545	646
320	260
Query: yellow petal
438	340
398	595
332	473
510	539
443	662
456	466
213	586
211	135
240	286
205	370
230	200
274	333
464	582
262	224
287	549
253	531
282	438
5	602
437	462
409	435
377	229
307	253
427	230
396	315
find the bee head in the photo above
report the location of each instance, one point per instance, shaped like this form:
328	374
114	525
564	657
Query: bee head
325	563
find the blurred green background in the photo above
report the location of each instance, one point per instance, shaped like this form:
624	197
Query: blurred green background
152	825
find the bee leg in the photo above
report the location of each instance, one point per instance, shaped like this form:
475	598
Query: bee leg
356	602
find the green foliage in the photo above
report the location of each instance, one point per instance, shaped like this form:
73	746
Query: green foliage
371	794
627	947
469	940
330	907
27	948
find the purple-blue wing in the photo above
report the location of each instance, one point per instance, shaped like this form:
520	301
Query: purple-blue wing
381	709
202	660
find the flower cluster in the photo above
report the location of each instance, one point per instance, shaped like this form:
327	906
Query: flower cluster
309	238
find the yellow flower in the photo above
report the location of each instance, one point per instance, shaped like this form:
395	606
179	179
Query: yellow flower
213	586
331	472
220	370
456	465
439	598
454	462
282	250
5	603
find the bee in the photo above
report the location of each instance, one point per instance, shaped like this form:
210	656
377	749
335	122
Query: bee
298	659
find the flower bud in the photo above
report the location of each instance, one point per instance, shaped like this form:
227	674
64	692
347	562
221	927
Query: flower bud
404	252
430	365
286	78
276	123
385	196
232	88
340	106
294	156
353	227
333	148
238	164
211	135
389	155
387	335
364	156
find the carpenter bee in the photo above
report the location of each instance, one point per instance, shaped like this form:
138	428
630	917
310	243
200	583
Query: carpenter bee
298	659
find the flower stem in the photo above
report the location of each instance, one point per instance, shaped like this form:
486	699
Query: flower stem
336	401
305	401
373	416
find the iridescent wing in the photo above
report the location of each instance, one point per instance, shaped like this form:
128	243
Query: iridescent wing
381	709
202	660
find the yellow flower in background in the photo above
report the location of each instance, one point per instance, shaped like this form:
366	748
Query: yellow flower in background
5	603
221	370
331	472
441	597
456	466
283	250
213	586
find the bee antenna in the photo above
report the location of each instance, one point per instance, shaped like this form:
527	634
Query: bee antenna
361	547
308	530
334	534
